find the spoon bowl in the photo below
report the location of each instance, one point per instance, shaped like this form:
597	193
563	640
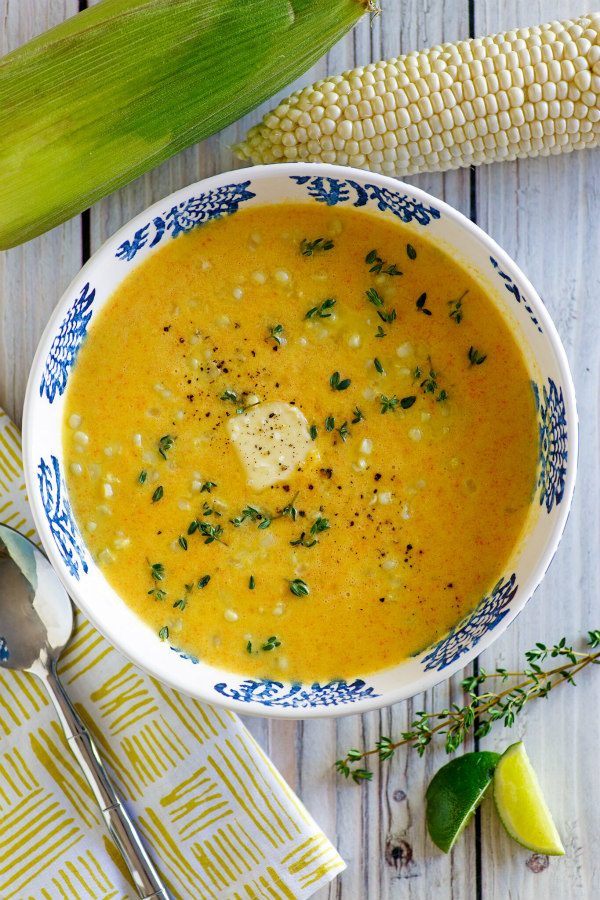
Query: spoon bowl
36	616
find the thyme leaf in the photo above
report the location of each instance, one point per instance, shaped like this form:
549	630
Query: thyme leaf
298	587
420	304
322	311
165	444
319	245
339	384
379	265
456	311
157	570
475	357
344	432
276	333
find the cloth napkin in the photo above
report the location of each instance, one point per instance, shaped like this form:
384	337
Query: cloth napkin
221	821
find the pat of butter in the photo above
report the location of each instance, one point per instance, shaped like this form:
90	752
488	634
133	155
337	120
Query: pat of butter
272	440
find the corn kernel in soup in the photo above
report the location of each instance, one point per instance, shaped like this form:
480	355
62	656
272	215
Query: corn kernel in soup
301	444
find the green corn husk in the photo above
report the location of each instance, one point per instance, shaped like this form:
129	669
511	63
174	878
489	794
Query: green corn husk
117	89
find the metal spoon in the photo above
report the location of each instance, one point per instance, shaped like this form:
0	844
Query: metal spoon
36	621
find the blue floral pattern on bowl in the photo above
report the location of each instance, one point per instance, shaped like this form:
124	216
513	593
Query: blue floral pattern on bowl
193	659
489	612
553	438
186	215
332	191
66	345
512	288
295	696
4	654
67	538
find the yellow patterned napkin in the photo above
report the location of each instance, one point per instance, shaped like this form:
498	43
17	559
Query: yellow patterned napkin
222	822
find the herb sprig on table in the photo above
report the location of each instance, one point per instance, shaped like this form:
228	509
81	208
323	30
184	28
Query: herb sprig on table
482	707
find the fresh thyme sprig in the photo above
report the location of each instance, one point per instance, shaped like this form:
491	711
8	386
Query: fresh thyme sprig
276	334
231	396
339	384
456	310
209	532
298	587
379	265
320	525
391	403
344	431
482	709
270	644
420	304
429	385
252	514
377	301
475	357
323	311
157	570
309	248
165	444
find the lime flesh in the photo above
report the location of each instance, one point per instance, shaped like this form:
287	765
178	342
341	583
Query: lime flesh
454	793
521	805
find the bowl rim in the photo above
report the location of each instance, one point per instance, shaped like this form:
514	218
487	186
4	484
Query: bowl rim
202	690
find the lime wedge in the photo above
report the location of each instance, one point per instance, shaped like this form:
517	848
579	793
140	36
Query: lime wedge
521	805
454	793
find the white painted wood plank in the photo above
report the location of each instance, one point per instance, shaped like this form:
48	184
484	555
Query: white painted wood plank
546	214
33	276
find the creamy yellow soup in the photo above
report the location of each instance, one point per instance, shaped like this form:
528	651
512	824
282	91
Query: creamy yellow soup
301	442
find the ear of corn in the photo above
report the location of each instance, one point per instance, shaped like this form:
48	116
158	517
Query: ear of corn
529	92
117	89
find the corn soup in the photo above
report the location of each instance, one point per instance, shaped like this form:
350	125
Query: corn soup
301	443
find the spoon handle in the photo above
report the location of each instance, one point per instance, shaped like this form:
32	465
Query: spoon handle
121	828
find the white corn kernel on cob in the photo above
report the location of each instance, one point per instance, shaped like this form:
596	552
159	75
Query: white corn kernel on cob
528	92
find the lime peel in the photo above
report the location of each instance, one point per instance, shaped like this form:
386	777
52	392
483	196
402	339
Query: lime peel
455	792
521	805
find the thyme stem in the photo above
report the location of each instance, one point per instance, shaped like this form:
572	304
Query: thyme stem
483	709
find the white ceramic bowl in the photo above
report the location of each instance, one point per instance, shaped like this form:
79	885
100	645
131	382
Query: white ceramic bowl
224	194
